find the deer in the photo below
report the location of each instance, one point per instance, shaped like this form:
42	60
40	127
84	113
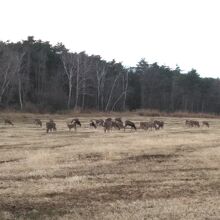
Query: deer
71	125
205	123
98	122
51	126
92	124
118	120
9	122
107	125
147	125
158	124
130	124
77	121
116	125
192	123
37	121
188	123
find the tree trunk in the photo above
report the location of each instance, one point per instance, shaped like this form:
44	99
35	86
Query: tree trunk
110	96
77	85
70	93
20	93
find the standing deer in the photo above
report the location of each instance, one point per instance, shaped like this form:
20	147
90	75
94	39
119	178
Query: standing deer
99	122
158	124
37	121
71	125
107	125
92	124
51	126
147	125
77	121
116	125
118	120
192	123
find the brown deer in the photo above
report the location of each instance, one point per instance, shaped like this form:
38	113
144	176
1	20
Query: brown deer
51	126
77	121
92	124
196	124
192	123
9	122
107	125
130	124
71	125
158	124
116	125
147	125
120	124
205	123
37	121
118	120
98	122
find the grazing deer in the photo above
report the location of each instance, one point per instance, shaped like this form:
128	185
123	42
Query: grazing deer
9	122
77	121
120	124
196	124
205	123
37	121
99	122
192	123
158	124
51	126
130	124
71	125
116	125
92	124
118	120
107	125
147	125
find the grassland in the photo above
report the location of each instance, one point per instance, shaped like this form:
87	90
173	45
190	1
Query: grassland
173	173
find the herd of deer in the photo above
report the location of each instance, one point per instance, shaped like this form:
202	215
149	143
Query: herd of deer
109	123
192	123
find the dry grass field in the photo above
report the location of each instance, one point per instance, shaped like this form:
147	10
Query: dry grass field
170	174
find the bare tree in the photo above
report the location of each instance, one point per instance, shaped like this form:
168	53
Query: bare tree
70	63
123	93
10	63
20	76
101	71
84	79
111	92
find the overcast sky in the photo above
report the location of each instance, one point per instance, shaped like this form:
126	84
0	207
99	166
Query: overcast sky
170	32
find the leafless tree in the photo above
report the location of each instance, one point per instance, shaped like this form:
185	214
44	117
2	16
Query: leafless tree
70	63
10	63
101	71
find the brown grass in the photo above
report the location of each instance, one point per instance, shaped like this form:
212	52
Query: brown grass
168	174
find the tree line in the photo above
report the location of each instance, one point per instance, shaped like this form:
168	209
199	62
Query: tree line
36	76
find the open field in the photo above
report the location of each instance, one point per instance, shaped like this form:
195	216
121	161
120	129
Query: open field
173	173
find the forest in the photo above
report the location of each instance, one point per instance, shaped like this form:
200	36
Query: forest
36	76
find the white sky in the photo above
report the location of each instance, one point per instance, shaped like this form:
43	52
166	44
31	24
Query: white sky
170	32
